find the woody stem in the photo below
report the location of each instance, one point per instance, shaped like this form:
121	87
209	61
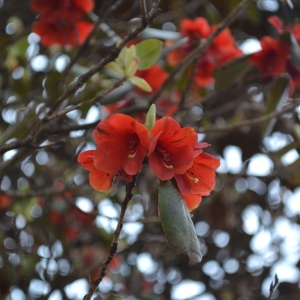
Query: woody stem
114	244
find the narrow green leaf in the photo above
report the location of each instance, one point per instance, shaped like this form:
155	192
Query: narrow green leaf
149	52
116	68
150	117
132	67
141	83
232	72
129	54
177	223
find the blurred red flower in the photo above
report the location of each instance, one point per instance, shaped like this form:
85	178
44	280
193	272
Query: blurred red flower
60	21
122	144
62	32
99	180
171	149
272	59
71	10
220	51
199	179
278	25
155	76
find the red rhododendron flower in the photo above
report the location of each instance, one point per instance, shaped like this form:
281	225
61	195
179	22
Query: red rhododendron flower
195	29
220	51
205	66
278	25
272	59
155	76
71	10
122	144
62	32
99	180
171	150
199	179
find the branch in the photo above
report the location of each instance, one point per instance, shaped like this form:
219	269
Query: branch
144	11
114	245
201	47
88	102
251	122
273	287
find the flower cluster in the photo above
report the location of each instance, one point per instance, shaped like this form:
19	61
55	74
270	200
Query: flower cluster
173	152
274	59
61	21
220	51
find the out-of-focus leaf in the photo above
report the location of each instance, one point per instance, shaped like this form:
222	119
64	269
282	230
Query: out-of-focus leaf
141	83
117	94
149	52
284	150
276	98
24	207
232	72
16	54
176	222
295	48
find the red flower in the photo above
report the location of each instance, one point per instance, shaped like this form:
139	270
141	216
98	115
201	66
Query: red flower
155	76
205	66
171	150
71	10
122	144
272	59
62	32
220	51
199	179
195	29
99	180
278	25
4	201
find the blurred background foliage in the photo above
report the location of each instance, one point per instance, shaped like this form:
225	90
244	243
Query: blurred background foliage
55	230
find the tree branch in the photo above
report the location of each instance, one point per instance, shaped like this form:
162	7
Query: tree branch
251	122
114	245
273	287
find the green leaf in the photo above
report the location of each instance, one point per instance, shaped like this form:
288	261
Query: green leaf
234	71
149	52
151	117
276	97
141	83
177	223
115	68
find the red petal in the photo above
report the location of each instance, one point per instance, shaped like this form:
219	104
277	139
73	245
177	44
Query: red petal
86	5
86	159
83	30
192	201
158	168
167	125
276	23
100	180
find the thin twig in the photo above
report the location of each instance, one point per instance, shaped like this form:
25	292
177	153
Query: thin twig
273	287
114	245
88	102
143	7
201	47
251	122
